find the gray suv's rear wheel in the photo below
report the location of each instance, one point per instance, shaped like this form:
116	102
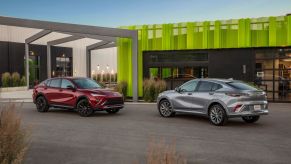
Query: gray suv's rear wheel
251	119
217	115
166	109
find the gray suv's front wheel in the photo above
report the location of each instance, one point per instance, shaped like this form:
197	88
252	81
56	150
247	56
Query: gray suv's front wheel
166	109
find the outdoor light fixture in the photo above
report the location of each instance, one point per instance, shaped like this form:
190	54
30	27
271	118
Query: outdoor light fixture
98	67
31	53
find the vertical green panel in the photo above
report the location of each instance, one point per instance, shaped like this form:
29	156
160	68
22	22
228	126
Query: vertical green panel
172	42
244	33
247	32
241	33
167	33
272	31
190	35
281	37
180	37
165	36
144	37
217	33
154	42
289	30
205	34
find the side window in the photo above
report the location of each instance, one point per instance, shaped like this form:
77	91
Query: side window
66	83
205	86
189	86
55	83
216	87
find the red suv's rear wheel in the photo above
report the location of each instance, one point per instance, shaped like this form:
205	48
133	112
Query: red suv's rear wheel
84	108
41	104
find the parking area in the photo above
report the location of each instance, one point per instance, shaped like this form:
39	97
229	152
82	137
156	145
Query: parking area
62	136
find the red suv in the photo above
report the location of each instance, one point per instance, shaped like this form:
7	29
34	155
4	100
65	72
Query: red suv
82	94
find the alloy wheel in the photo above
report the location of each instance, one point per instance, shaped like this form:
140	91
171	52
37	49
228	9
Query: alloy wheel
84	108
217	115
166	109
41	104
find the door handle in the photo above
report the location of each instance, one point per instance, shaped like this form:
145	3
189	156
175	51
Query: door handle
189	93
211	93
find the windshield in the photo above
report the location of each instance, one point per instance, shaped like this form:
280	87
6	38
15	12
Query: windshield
86	84
241	86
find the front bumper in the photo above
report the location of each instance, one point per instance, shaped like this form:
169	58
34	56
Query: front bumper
106	107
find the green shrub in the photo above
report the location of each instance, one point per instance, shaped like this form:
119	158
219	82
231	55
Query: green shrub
149	90
23	81
15	78
122	88
6	78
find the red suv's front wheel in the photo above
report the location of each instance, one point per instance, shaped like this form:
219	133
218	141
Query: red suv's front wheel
84	108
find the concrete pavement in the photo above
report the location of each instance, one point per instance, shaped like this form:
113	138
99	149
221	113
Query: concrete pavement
62	136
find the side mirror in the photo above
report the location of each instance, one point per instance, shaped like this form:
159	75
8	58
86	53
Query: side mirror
178	89
70	87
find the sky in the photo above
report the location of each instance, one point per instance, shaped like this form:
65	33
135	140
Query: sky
115	13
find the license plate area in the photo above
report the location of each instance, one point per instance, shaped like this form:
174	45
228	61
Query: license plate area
257	107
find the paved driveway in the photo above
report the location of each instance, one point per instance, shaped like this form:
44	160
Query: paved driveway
61	136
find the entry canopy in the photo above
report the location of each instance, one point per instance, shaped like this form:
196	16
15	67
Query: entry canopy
54	33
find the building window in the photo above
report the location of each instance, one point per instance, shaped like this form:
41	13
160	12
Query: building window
63	66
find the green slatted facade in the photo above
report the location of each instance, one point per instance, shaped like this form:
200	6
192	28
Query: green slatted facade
242	33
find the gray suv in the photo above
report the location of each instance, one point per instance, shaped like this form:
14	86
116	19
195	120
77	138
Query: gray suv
218	99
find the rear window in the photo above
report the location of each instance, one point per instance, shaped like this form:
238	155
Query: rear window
241	86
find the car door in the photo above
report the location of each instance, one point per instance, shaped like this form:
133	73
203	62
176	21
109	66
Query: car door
53	90
182	98
203	94
67	93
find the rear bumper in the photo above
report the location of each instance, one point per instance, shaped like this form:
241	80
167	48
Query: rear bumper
248	109
249	113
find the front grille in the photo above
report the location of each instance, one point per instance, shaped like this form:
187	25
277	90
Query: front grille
114	101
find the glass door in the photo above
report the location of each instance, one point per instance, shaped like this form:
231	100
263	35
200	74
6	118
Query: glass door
273	73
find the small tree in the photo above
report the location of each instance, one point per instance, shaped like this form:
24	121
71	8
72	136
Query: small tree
122	88
160	86
23	81
15	78
149	90
6	78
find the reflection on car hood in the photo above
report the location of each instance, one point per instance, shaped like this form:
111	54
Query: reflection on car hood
105	92
169	91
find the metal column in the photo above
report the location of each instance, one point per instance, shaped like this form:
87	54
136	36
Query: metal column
135	67
49	65
27	64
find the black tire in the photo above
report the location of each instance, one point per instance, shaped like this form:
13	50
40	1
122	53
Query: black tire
84	108
251	119
217	115
166	109
112	111
41	104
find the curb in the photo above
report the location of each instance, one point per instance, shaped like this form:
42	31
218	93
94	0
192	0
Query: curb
28	100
